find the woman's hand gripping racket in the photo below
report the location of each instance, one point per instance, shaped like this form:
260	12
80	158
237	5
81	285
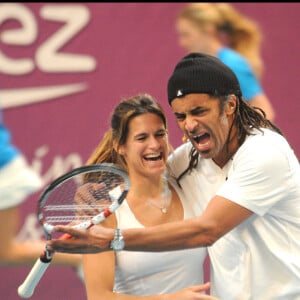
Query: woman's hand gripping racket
81	198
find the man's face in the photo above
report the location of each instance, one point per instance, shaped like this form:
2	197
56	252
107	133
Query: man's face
200	118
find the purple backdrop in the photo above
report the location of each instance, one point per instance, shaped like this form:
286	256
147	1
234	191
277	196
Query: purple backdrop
63	67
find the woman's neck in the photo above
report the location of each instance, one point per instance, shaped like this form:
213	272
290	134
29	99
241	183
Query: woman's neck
143	187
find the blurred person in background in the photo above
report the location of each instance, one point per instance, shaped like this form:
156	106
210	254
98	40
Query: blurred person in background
220	30
17	181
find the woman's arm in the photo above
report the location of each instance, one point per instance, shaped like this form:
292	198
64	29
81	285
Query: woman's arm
99	275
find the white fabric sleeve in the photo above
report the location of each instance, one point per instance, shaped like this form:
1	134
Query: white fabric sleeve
259	176
178	161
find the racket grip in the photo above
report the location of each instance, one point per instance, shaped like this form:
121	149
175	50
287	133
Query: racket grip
27	288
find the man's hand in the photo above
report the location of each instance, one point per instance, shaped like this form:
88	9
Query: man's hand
94	240
192	293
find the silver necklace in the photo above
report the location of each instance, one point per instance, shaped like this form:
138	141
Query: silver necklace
166	196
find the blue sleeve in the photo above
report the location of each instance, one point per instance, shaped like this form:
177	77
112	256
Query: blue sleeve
7	150
249	83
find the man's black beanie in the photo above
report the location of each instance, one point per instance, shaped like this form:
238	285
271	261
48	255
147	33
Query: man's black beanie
204	74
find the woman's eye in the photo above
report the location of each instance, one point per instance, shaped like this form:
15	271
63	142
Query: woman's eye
141	138
161	134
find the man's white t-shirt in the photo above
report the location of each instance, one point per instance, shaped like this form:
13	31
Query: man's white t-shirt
260	258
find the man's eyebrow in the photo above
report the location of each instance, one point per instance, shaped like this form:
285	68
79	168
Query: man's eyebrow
197	108
194	109
179	113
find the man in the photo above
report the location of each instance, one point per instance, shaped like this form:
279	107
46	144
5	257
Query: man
246	182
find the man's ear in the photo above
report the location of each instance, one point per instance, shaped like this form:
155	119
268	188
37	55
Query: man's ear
231	105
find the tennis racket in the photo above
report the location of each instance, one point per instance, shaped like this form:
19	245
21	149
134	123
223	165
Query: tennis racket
80	198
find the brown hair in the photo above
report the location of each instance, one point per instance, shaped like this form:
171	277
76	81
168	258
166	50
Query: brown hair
127	109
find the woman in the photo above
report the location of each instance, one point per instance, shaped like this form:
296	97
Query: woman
138	142
220	30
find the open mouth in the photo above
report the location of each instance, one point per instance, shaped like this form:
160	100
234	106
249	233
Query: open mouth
202	142
153	157
202	139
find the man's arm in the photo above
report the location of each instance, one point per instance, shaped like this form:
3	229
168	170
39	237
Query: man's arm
220	217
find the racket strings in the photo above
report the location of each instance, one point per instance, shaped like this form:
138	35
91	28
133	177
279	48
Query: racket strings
81	197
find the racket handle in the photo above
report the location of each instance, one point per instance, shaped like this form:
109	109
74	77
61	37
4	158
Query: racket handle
27	288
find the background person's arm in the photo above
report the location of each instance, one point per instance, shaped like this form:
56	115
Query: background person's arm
13	252
264	103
